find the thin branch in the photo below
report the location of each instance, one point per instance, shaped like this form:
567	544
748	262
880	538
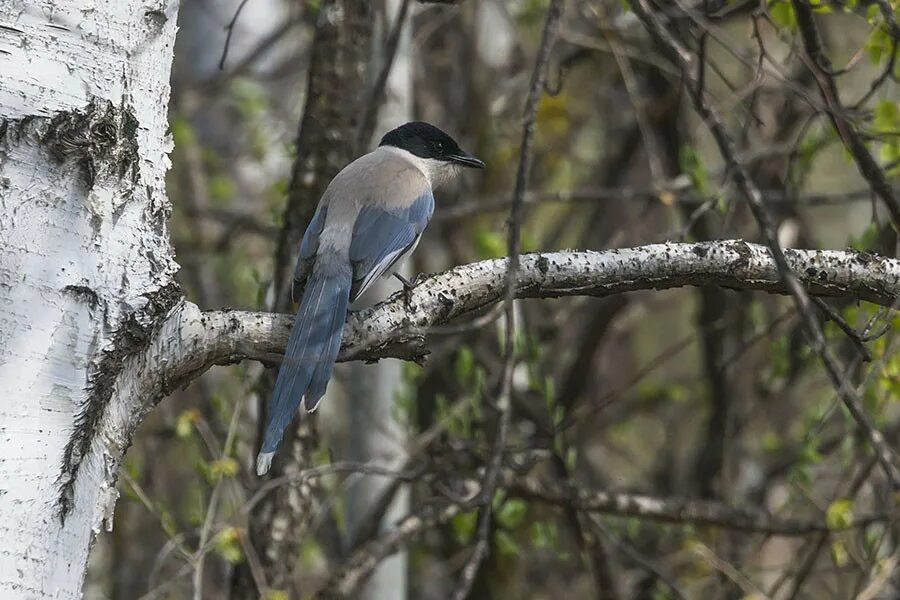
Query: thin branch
739	173
806	565
682	511
230	30
376	94
729	570
514	223
628	550
854	336
820	65
213	505
361	563
890	17
354	571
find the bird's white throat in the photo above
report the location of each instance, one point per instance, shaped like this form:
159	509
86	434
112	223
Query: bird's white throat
436	172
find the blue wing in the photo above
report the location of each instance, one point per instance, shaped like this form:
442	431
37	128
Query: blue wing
382	235
308	248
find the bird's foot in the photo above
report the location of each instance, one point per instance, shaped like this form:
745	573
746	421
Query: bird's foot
407	287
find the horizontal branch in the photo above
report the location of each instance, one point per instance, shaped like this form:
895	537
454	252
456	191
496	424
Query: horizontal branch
357	568
390	329
673	509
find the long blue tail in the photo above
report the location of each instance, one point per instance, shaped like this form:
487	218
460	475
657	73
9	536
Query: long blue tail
311	351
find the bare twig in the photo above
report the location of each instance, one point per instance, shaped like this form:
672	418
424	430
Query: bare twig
887	568
213	506
820	65
373	103
230	30
806	565
361	563
628	550
890	17
683	511
729	570
853	335
489	484
887	458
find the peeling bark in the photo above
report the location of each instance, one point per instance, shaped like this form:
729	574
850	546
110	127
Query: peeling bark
86	270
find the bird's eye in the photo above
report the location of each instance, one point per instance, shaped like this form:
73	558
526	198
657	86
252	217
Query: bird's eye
439	147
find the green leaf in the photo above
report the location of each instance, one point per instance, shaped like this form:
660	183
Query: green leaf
839	553
770	441
221	187
549	391
465	363
489	244
224	467
511	513
167	520
691	165
873	13
228	545
463	526
505	543
182	131
878	45
839	514
543	534
250	98
887	116
184	425
887	120
783	14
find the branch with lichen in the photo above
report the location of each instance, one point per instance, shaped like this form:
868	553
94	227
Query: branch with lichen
191	340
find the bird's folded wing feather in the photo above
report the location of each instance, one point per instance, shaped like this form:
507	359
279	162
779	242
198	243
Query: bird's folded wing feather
308	248
382	234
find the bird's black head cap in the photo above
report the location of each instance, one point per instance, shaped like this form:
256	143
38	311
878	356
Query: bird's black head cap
427	141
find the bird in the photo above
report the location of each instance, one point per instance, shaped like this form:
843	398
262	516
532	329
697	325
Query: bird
370	216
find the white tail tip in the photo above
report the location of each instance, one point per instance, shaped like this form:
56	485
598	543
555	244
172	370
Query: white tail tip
263	463
310	409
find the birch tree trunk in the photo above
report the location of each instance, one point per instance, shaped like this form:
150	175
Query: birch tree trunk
86	270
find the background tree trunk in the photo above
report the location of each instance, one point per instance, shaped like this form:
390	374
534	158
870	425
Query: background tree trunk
373	433
326	142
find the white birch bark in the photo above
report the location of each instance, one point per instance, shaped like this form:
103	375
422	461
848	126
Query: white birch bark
390	329
86	271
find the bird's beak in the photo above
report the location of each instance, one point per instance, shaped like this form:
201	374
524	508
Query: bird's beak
467	160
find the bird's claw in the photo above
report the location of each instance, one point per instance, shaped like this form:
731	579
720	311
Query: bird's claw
407	287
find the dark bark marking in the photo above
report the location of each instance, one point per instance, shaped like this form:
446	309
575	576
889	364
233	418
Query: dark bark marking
101	140
133	336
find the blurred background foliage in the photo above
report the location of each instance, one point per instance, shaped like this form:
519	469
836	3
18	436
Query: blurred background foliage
694	393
